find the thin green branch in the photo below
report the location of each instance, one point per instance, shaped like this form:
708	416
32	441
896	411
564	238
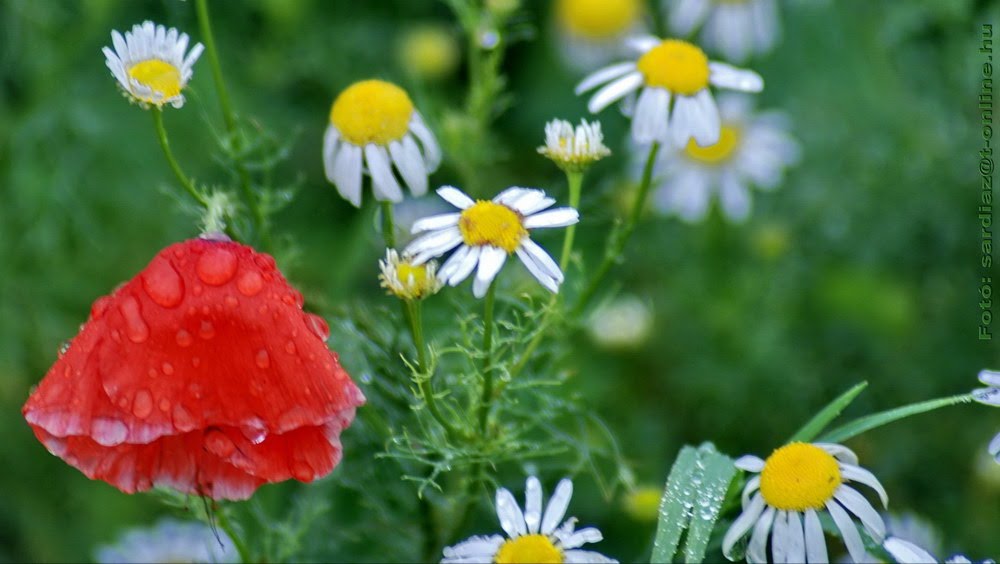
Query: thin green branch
487	397
185	182
241	547
875	420
414	318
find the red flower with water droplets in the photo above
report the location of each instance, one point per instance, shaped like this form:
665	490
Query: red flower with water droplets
202	374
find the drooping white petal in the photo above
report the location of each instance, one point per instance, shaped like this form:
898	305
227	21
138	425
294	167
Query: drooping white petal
706	125
465	267
734	196
990	377
531	201
455	197
331	138
475	546
858	505
650	120
410	164
987	396
433	244
743	524
840	452
750	463
537	271
848	531
193	55
533	504
586	557
347	173
780	538
795	549
685	15
732	78
815	541
509	514
859	474
757	549
491	260
384	184
558	503
604	75
576	539
682	118
432	151
560	217
753	484
905	552
615	91
512	194
542	259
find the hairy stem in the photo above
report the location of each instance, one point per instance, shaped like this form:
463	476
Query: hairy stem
388	225
241	547
487	397
575	180
413	311
185	182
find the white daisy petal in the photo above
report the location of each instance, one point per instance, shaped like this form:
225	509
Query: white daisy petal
682	119
537	271
454	262
586	557
533	504
705	123
839	452
560	217
331	139
556	509
650	120
905	552
743	524
604	75
491	260
780	538
532	201
990	377
615	91
642	43
848	532
410	164
433	244
347	166
455	197
753	484
464	268
860	475
542	259
749	463
858	505
384	183
509	513
513	194
435	222
578	538
734	196
994	447
795	550
815	541
732	78
757	549
475	546
987	396
685	15
432	151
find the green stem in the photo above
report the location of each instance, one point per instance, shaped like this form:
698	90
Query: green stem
388	227
619	238
487	397
575	180
875	420
161	134
229	117
241	547
413	311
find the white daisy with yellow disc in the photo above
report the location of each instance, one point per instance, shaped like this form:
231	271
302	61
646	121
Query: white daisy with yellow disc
150	63
574	149
591	32
736	29
532	536
753	150
783	503
408	281
373	128
486	232
673	80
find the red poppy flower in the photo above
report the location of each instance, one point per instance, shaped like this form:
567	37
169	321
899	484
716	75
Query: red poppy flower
202	374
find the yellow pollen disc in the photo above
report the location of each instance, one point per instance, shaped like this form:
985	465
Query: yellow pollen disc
598	19
799	476
489	223
535	549
158	75
372	111
729	138
405	270
676	65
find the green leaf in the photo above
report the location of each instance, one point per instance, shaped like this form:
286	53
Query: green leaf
693	497
819	422
874	420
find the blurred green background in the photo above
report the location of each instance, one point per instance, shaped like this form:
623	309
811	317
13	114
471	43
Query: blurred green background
863	266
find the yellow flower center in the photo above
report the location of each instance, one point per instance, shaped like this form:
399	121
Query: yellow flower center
799	476
597	19
489	223
160	76
675	65
372	111
535	549
729	138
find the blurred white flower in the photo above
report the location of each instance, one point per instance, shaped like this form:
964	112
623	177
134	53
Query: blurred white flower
990	396
905	552
752	150
573	150
169	541
622	323
373	127
673	80
150	63
735	30
592	32
533	536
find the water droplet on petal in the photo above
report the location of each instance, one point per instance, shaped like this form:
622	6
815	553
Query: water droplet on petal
217	443
183	338
231	301
143	404
168	368
216	266
64	348
108	432
99	307
255	430
135	326
196	362
183	420
302	472
263	360
290	347
318	326
164	405
265	262
162	283
250	283
206	330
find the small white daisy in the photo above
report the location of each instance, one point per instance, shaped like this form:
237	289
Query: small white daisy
150	63
673	79
406	280
990	396
592	32
573	150
169	541
486	232
532	535
905	552
736	30
373	127
796	483
753	150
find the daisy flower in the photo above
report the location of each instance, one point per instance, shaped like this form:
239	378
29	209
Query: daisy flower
406	280
533	536
150	63
669	70
486	232
752	150
793	486
591	32
736	30
169	541
990	396
573	150
373	127
905	552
